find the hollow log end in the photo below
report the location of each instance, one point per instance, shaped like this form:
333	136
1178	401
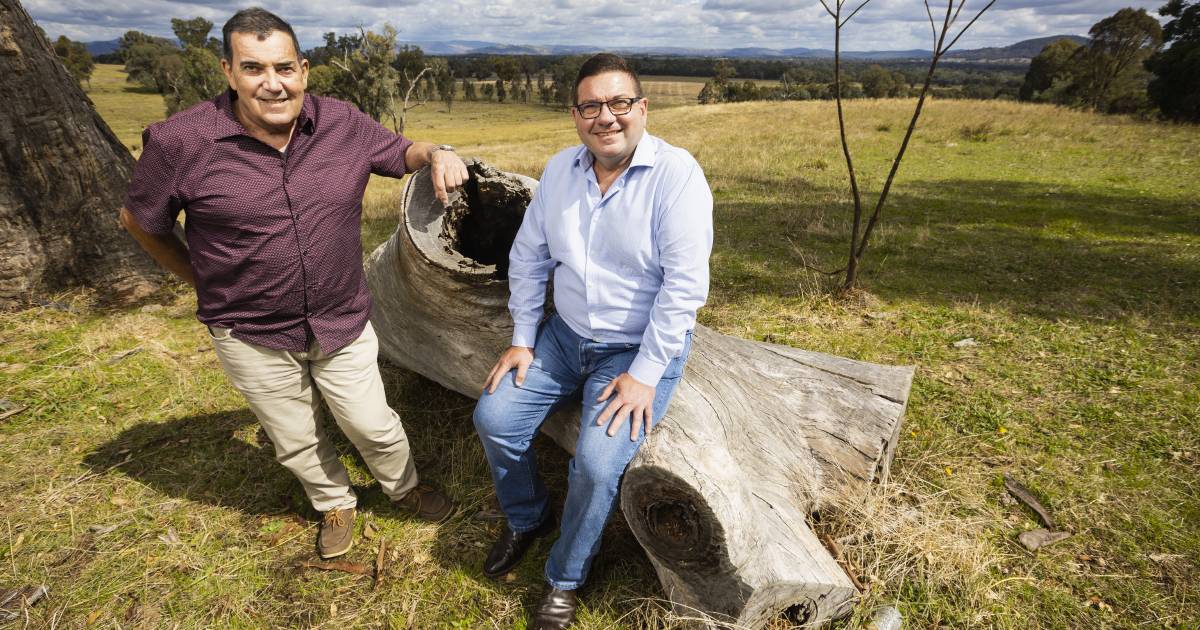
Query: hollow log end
737	561
474	232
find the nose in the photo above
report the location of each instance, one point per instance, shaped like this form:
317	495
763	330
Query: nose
273	84
606	116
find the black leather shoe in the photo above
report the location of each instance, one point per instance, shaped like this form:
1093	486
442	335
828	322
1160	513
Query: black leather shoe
556	610
510	547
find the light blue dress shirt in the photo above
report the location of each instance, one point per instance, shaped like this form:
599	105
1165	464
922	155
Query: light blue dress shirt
630	266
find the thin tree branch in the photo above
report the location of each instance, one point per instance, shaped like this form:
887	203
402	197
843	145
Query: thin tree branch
939	51
412	84
828	10
961	4
855	12
343	67
968	26
851	264
932	27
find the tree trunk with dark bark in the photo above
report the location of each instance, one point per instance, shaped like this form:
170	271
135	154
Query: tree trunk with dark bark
757	438
62	179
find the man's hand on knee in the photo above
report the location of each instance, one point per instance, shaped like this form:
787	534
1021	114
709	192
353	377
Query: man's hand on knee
633	400
518	357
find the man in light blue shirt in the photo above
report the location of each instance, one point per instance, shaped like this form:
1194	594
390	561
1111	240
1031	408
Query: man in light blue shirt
624	222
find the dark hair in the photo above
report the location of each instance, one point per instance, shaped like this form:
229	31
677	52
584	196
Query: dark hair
599	64
259	21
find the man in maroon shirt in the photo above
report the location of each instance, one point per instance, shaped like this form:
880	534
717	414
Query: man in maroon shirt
271	181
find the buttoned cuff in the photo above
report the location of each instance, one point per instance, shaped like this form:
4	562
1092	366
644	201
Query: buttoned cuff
524	335
646	371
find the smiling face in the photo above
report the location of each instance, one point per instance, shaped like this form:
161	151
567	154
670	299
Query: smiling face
611	139
269	78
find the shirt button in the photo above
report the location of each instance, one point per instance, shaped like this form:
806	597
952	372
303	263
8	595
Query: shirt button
308	314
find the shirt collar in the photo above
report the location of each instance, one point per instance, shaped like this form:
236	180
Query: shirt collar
227	124
643	155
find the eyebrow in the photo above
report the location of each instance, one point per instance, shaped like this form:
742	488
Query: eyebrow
611	99
257	64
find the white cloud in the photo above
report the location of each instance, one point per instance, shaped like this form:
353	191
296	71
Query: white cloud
882	25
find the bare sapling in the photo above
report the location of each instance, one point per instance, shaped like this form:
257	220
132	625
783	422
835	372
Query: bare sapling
860	236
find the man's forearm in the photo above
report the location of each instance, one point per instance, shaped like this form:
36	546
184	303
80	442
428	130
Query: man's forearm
165	249
418	155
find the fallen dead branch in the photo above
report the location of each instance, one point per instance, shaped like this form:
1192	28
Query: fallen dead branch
380	560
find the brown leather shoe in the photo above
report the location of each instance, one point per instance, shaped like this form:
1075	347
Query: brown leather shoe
427	503
337	533
556	610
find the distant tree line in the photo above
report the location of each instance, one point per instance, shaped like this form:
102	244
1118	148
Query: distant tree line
1124	67
366	68
385	81
814	80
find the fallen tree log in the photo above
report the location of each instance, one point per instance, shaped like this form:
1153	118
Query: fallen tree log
758	437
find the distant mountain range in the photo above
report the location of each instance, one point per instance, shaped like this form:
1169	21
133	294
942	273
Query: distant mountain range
102	48
1019	52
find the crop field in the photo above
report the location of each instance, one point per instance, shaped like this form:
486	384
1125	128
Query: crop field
1064	245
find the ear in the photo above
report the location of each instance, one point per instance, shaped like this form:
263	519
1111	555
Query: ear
304	73
227	68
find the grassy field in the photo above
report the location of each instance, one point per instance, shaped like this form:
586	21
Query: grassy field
1067	245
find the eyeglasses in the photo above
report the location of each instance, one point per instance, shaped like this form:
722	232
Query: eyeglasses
618	107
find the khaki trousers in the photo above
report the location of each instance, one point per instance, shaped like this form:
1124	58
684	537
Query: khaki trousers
284	390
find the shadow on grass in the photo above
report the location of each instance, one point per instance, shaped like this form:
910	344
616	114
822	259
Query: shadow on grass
201	458
1045	250
215	458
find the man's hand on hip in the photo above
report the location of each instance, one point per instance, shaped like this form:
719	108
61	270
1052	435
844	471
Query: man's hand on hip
633	400
448	173
518	357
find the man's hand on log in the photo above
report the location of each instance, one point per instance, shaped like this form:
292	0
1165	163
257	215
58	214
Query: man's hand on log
634	400
448	173
518	357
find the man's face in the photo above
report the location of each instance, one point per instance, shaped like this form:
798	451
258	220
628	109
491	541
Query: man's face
611	139
269	78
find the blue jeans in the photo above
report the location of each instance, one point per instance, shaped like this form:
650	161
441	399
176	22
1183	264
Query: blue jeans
564	364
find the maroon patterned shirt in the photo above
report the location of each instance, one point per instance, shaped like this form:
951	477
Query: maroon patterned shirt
274	238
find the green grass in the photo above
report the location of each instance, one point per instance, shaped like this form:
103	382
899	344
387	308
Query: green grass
1066	244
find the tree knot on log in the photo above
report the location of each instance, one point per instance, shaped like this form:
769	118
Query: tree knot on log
676	525
8	43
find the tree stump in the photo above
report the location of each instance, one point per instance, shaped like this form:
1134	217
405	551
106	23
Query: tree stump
757	438
62	179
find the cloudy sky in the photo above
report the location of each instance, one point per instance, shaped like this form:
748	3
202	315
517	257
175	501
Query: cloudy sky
882	25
